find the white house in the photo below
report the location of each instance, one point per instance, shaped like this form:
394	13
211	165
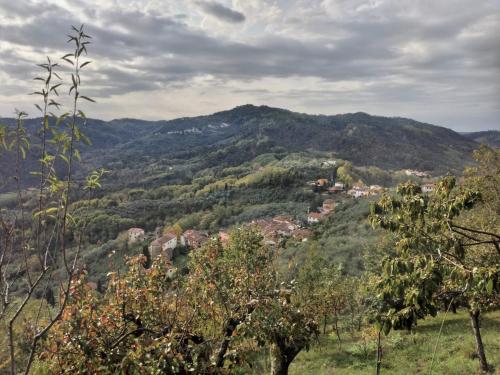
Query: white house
165	245
168	245
313	217
427	188
357	192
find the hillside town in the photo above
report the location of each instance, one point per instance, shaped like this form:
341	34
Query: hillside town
274	230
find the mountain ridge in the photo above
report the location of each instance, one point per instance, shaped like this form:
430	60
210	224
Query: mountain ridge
240	134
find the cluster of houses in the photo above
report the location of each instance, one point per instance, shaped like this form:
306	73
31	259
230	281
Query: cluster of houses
279	227
413	172
167	242
427	187
360	191
272	229
323	185
195	130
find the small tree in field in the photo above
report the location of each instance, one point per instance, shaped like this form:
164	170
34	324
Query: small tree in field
38	240
229	283
446	243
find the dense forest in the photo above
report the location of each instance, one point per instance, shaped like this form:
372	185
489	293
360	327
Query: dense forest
393	256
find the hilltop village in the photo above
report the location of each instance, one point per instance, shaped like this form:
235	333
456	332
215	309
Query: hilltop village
170	241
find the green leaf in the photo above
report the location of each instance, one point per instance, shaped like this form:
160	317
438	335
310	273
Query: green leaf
64	157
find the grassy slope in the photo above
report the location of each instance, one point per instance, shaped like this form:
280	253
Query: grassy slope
405	353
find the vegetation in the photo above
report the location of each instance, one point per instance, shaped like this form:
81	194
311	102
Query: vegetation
442	251
35	238
405	352
78	296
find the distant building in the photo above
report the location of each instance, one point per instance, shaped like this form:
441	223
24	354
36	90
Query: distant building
275	229
155	248
427	188
413	172
329	163
135	235
165	245
322	182
358	192
194	238
169	243
314	217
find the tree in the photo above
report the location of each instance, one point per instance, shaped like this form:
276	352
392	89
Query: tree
230	282
287	324
344	174
47	230
143	323
445	243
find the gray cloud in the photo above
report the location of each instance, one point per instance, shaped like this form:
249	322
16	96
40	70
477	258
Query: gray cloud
430	63
221	12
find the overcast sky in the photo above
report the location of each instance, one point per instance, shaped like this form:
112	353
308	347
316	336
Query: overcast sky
436	61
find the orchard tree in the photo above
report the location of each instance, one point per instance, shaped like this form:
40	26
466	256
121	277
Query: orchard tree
230	282
285	322
447	242
143	324
246	299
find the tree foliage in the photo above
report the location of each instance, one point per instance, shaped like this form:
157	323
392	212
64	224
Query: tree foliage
447	244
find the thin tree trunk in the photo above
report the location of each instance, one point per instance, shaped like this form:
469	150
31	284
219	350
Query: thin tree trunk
379	353
336	319
474	317
12	350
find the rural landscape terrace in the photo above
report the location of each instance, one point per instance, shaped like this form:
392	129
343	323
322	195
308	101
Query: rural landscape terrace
195	187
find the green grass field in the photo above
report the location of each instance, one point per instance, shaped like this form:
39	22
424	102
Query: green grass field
407	353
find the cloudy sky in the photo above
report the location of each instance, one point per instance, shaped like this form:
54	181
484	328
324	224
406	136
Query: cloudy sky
433	60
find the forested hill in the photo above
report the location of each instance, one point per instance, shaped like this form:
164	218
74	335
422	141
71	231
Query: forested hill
240	134
488	137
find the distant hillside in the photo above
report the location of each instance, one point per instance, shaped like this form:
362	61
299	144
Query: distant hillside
489	137
238	135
